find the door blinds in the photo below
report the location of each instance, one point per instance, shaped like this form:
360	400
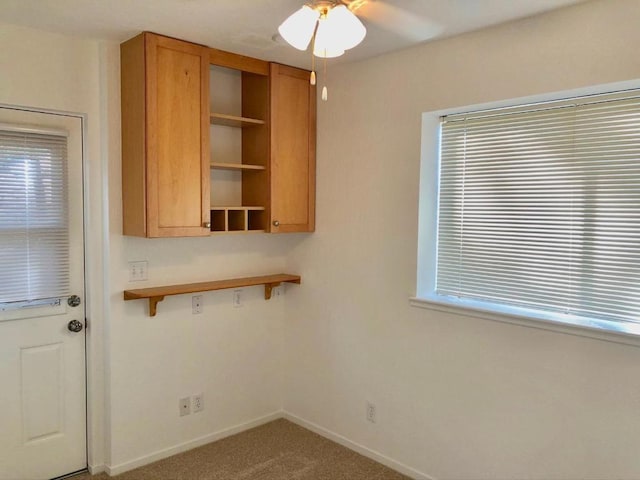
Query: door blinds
34	246
539	207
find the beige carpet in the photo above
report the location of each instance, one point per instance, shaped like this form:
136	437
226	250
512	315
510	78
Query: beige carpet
276	451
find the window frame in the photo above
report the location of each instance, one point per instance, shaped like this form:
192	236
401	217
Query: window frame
426	297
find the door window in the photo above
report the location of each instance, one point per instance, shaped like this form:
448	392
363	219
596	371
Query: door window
34	234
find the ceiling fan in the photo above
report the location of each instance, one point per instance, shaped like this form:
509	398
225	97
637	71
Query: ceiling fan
390	17
298	29
333	26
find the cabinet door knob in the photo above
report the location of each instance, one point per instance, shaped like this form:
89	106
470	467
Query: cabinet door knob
276	223
207	225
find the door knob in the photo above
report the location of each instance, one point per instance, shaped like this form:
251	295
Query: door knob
75	326
73	300
276	223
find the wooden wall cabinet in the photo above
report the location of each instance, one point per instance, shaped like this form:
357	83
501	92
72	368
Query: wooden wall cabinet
165	141
293	150
214	142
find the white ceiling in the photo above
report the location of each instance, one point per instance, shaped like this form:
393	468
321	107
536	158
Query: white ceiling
248	26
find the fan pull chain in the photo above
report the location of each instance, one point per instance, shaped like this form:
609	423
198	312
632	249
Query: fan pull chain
312	78
325	95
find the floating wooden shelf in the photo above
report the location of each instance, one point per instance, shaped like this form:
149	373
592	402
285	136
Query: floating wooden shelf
236	166
157	294
234	121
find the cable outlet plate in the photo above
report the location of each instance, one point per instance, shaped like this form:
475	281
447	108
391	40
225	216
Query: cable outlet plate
184	404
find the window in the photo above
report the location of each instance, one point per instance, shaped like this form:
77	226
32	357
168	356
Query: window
34	246
539	211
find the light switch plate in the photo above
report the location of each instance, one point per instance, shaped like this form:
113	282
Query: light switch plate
138	271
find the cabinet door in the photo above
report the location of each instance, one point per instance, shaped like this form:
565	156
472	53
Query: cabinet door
177	136
293	150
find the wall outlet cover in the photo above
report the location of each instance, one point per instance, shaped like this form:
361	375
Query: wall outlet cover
196	304
198	402
371	412
237	298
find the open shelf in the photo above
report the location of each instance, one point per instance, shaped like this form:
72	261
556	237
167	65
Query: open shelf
240	158
234	121
236	166
157	294
237	219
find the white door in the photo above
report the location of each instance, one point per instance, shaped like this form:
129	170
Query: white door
42	361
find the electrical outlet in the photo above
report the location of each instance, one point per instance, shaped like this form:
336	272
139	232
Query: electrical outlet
138	271
237	298
185	406
196	304
198	402
371	412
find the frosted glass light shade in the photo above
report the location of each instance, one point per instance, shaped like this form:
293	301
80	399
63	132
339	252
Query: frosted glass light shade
346	29
326	45
297	30
327	53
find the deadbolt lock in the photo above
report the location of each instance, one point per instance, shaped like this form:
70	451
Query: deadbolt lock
73	300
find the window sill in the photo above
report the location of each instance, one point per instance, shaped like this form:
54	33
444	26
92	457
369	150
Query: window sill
594	332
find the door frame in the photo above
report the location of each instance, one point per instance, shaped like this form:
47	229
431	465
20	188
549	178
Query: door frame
95	222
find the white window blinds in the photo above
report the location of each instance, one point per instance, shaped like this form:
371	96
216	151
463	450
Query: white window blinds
34	246
539	207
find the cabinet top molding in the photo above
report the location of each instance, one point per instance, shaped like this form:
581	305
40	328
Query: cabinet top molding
235	61
238	62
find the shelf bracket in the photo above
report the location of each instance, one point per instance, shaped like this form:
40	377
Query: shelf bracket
268	288
153	305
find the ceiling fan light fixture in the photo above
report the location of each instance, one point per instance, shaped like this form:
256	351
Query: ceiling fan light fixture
298	29
326	44
329	25
338	29
346	29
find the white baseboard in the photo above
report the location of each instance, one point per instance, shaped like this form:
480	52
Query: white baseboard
183	447
356	447
96	469
212	437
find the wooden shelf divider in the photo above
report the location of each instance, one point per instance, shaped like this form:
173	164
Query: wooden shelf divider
236	166
238	208
234	121
157	294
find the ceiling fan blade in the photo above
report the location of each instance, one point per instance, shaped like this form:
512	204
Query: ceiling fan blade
395	19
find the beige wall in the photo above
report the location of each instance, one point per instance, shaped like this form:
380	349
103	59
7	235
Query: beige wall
457	397
56	72
232	355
